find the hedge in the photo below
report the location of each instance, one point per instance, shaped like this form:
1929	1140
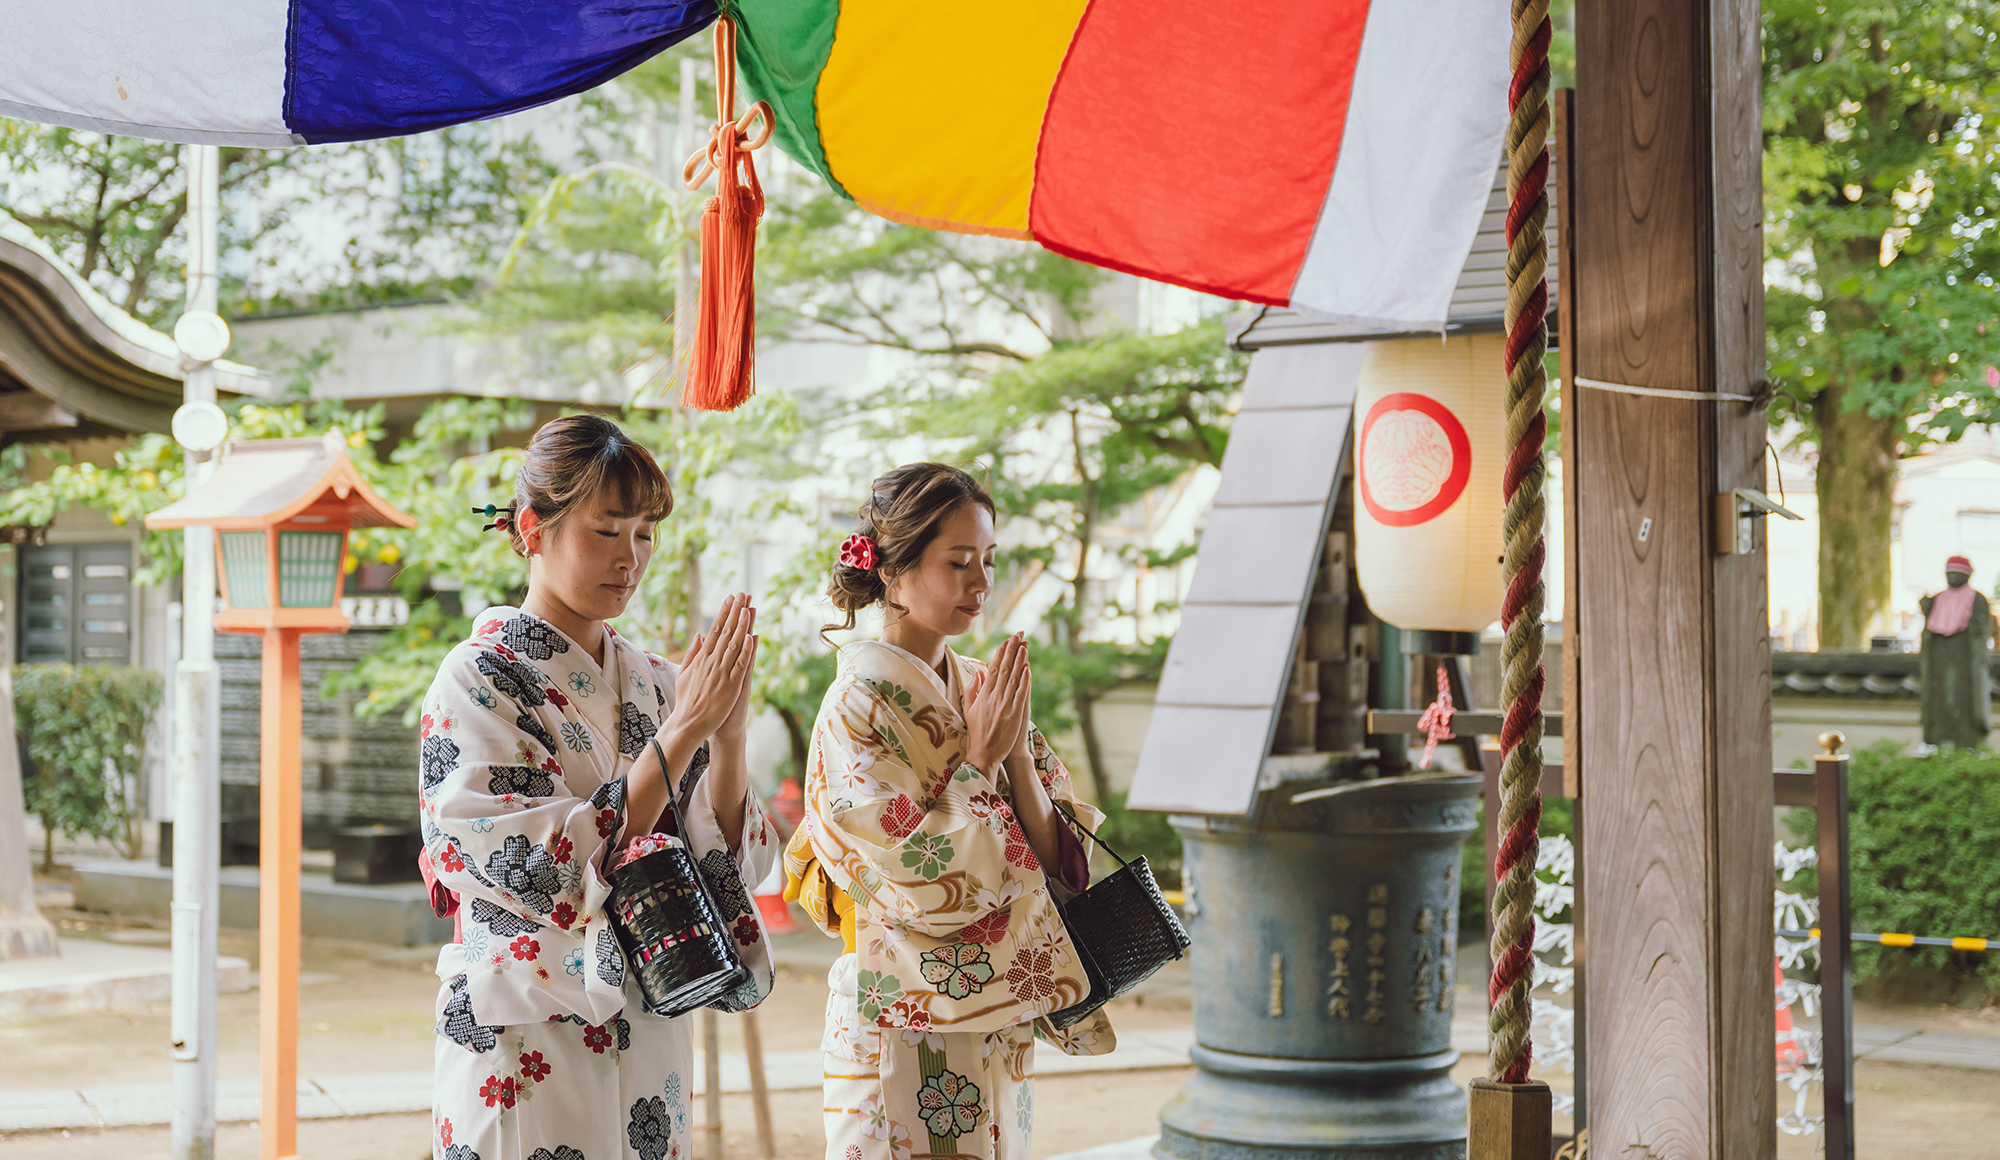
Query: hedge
1923	857
84	729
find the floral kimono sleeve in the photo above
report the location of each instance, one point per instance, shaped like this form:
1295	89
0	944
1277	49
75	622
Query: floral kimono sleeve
932	850
504	830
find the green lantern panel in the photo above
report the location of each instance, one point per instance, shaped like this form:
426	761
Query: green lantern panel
246	569
308	566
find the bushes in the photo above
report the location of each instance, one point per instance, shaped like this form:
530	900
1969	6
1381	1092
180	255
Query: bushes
1923	857
85	733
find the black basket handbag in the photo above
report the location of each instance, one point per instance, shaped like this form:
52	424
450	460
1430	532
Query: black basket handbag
675	937
1122	929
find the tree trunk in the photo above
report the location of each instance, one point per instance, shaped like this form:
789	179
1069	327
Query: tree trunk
134	842
795	729
1086	533
1856	482
1093	750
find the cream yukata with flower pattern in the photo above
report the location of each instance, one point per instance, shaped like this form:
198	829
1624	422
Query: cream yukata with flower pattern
545	1050
956	950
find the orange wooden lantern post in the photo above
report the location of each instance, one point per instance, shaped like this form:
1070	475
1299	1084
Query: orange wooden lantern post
281	510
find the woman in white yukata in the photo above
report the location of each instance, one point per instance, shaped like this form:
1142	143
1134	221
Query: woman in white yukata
536	771
931	812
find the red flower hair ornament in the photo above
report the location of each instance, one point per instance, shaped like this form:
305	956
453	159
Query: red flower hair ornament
858	551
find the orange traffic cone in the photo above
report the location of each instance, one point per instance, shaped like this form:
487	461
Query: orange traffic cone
1790	1058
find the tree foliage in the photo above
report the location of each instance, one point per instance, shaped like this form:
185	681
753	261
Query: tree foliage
1882	153
84	729
115	209
830	271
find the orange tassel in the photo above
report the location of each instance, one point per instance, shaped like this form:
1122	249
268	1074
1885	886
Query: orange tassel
721	370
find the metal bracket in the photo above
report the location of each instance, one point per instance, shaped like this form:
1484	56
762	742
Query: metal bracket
1736	513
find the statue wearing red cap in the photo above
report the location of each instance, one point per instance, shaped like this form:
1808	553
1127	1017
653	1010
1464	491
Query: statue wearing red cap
1954	668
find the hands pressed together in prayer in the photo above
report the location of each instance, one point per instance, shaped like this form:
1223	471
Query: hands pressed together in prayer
996	718
712	704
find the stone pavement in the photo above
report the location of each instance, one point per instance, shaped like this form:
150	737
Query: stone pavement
98	975
1937	1048
133	1105
324	1097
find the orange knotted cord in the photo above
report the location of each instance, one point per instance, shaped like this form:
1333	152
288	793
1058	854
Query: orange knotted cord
721	367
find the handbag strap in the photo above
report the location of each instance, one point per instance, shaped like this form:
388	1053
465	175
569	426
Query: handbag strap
1085	831
697	766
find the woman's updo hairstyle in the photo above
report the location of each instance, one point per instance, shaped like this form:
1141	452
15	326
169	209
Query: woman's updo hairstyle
903	514
574	458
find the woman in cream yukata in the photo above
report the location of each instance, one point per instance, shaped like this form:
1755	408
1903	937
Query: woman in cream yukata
930	816
536	771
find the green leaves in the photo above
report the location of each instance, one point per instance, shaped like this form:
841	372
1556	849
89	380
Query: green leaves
421	211
1881	189
1919	830
85	733
830	271
1880	173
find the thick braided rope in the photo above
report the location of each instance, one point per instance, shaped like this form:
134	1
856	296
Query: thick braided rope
1521	610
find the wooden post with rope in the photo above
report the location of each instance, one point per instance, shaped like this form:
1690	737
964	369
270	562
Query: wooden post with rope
1509	1113
1674	738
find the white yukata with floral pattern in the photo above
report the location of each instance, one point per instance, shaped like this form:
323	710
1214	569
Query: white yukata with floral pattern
545	1050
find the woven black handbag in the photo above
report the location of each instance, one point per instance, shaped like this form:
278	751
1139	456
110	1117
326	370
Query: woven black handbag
1122	929
675	937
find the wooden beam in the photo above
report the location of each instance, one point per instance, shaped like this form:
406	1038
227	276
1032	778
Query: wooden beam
1674	651
28	411
1562	107
1464	722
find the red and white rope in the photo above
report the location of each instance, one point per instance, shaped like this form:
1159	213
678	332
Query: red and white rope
1520	804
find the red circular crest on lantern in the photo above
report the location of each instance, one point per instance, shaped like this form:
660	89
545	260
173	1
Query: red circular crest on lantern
1415	459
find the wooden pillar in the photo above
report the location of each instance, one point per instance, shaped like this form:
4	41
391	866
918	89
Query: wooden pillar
1562	148
278	896
1674	651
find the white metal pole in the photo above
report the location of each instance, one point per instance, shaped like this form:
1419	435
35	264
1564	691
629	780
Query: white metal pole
197	734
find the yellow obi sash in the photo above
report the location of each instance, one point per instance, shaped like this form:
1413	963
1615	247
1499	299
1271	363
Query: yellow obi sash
808	885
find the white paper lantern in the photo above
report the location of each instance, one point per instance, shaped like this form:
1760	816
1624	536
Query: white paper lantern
1428	451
